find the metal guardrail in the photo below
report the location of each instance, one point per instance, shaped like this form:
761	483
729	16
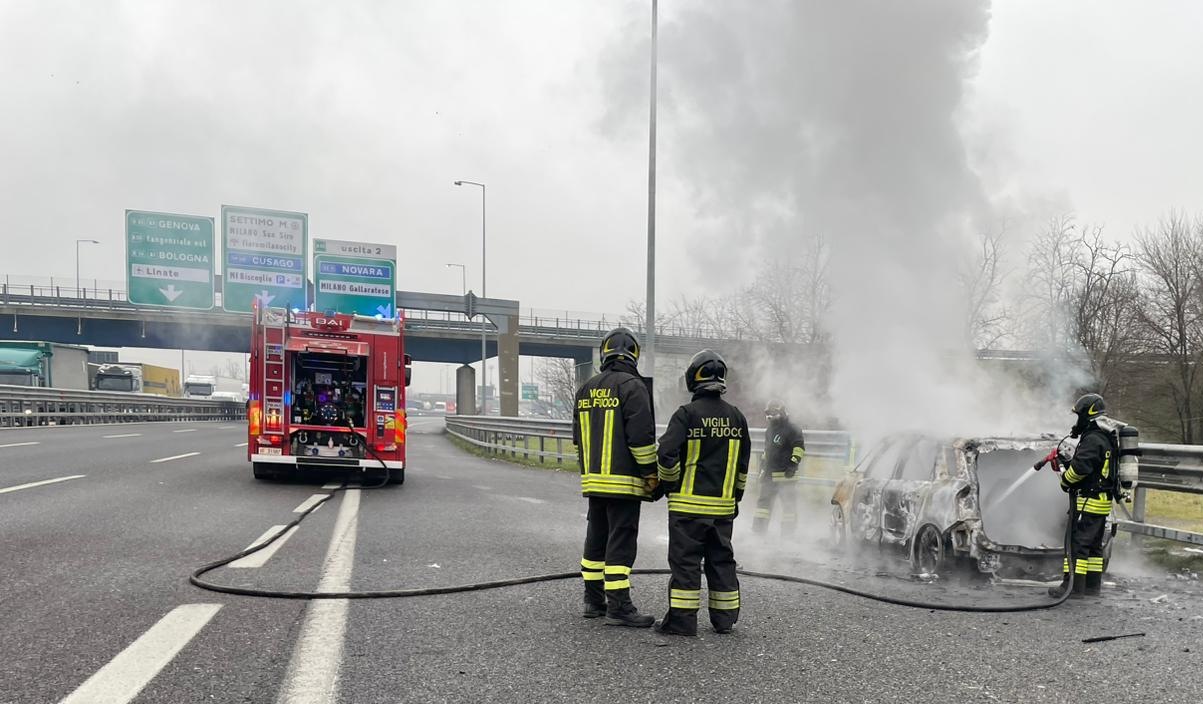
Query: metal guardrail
22	406
543	439
1176	468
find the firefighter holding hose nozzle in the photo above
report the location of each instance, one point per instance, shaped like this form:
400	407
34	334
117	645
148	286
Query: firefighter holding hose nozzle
1091	476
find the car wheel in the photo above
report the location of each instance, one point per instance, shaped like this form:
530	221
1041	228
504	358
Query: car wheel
927	553
262	472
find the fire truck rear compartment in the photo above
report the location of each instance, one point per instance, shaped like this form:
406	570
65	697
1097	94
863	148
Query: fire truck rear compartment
328	395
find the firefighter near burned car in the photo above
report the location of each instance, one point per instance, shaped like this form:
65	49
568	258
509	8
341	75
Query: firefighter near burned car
614	428
1094	481
702	464
784	448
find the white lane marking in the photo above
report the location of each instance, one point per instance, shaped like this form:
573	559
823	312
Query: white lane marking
185	430
332	485
530	499
260	558
41	483
122	435
229	427
312	676
125	675
20	444
482	487
309	502
241	444
174	457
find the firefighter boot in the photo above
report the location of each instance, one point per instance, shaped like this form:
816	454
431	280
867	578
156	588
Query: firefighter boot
595	600
679	622
1094	584
621	611
1059	591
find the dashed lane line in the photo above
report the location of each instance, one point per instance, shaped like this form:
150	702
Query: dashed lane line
122	435
44	482
241	444
312	676
20	444
133	668
174	457
260	558
331	485
185	430
309	502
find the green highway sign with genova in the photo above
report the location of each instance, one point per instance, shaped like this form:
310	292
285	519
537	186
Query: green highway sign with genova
354	277
264	258
169	260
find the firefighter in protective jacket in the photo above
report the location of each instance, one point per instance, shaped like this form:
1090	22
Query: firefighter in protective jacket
1091	476
703	468
615	434
783	450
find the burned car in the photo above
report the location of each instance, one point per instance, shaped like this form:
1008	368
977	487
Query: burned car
974	501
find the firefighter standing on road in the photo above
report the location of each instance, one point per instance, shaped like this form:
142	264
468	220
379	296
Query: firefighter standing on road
703	467
783	450
1091	476
615	434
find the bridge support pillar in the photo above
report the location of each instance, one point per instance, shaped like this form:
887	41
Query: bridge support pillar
465	391
507	367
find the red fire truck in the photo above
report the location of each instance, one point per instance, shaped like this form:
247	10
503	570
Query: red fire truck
327	392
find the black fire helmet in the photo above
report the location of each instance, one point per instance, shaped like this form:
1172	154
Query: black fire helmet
619	343
1089	407
707	371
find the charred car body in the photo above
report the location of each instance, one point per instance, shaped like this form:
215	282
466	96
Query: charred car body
974	501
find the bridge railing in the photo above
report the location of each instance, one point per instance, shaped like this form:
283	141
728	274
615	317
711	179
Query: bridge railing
828	452
22	406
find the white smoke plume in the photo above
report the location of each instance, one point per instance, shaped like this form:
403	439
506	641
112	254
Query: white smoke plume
789	119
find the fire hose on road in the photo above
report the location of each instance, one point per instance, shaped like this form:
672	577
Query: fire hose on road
197	578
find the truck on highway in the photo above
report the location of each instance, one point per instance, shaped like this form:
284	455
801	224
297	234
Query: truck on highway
136	377
327	392
199	386
45	364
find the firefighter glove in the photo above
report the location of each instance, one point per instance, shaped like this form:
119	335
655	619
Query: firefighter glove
791	470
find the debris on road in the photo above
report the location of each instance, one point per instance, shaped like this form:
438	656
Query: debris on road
1100	639
1160	599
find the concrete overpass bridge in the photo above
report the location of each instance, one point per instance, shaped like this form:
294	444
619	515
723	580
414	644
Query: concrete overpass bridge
437	329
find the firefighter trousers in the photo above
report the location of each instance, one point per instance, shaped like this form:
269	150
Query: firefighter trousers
772	489
697	543
1086	544
611	542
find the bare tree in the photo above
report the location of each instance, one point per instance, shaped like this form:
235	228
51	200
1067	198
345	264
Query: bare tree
1051	271
1172	314
558	377
1104	305
981	280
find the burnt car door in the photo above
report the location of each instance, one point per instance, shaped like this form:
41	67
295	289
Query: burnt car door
904	495
865	520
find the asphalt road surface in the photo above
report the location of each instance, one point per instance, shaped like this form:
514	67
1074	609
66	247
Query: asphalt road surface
101	525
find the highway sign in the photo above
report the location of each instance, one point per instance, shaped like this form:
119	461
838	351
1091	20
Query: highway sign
264	255
169	260
354	284
530	392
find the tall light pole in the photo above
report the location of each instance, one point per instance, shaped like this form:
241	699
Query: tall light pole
463	271
484	369
649	345
77	282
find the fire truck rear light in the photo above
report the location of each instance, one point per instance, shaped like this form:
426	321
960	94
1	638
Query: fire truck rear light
385	447
255	422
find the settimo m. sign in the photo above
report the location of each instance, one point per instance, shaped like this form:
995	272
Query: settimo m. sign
354	277
264	258
169	260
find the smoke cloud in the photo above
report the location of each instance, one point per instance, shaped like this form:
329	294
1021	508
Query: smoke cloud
840	120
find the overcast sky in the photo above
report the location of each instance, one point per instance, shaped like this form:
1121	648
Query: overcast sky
362	114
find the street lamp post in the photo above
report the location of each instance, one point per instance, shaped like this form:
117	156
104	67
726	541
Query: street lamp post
649	345
78	285
463	271
484	369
